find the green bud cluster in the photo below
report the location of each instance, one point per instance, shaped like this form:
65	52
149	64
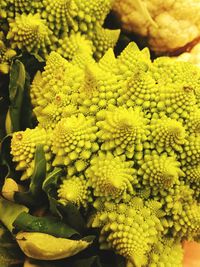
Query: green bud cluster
137	163
66	26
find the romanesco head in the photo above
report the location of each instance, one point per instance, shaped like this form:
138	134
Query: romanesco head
127	137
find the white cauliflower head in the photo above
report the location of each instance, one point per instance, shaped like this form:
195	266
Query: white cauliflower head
168	25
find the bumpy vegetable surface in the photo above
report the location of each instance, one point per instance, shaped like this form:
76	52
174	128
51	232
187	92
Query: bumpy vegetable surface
167	26
125	133
40	27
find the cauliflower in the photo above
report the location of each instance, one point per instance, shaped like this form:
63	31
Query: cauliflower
127	141
168	26
192	56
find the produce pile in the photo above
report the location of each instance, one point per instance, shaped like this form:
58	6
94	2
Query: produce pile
66	26
101	161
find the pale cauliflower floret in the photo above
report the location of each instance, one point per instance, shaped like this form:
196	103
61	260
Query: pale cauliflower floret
167	25
192	56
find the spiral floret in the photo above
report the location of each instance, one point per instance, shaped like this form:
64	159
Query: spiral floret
192	124
111	177
159	171
98	90
30	32
191	151
167	135
166	71
192	177
74	44
103	39
123	131
60	15
74	142
176	201
166	253
23	147
130	231
91	13
132	60
74	190
140	90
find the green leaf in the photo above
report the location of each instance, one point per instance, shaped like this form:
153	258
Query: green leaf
72	216
49	186
9	211
16	91
35	196
52	179
49	225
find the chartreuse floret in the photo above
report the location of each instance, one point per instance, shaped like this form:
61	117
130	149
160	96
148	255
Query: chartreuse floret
159	171
177	201
141	90
51	91
23	147
60	15
166	253
74	190
131	60
98	91
123	131
30	32
167	135
69	46
103	39
129	229
192	124
191	151
166	72
6	54
192	178
92	12
111	177
74	141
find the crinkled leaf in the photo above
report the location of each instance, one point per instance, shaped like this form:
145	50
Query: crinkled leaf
49	225
35	196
